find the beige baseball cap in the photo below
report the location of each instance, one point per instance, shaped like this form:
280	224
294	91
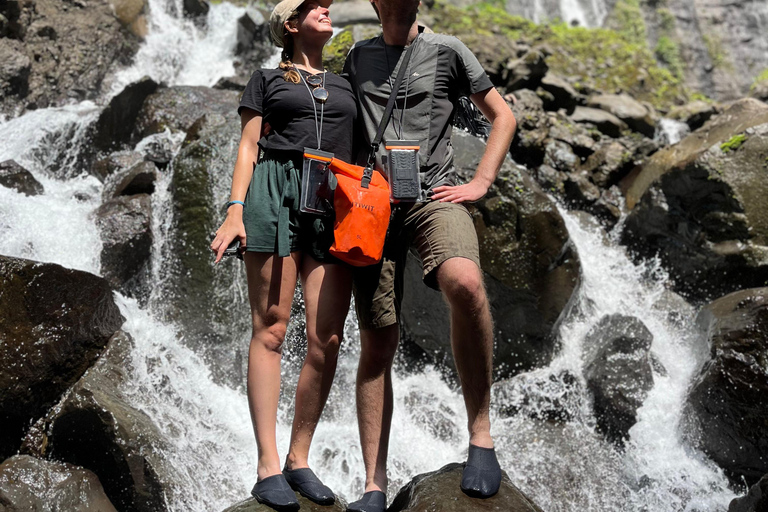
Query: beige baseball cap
280	15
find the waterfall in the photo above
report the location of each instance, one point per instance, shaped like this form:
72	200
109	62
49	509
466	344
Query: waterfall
585	13
210	440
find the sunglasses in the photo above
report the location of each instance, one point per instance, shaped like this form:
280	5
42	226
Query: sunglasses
318	91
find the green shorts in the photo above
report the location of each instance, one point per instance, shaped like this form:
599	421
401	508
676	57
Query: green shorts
436	232
273	222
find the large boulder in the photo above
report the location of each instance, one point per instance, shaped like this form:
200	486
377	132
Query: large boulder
638	117
37	485
115	124
725	409
756	499
54	323
618	372
140	178
132	14
94	426
532	269
440	490
695	113
14	176
251	505
702	210
58	52
604	121
125	226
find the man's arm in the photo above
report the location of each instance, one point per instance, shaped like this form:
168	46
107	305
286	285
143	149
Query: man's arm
503	125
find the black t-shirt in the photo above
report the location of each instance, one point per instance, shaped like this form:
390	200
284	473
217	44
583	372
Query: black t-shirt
287	107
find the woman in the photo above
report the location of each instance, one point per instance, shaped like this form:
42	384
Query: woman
303	106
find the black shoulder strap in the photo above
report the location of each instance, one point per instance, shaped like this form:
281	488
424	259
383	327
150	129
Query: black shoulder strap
387	114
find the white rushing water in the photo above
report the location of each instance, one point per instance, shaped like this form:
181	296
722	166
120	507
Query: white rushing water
562	466
584	13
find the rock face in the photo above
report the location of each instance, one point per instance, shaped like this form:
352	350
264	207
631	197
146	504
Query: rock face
251	505
95	427
728	399
618	372
756	499
125	225
14	176
57	51
702	204
532	270
27	483
54	323
440	490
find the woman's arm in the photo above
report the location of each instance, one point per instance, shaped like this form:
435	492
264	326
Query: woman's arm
247	156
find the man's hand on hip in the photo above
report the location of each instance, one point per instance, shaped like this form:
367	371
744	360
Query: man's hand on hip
468	193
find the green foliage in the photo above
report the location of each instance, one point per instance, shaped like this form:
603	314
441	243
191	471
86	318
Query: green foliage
667	20
714	49
668	53
598	59
627	20
733	143
335	52
762	77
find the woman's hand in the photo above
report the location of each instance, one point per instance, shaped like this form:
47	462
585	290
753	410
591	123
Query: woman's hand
232	228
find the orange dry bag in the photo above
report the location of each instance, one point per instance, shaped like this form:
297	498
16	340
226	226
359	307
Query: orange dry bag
362	214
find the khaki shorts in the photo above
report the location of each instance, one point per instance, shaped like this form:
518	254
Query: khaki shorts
435	232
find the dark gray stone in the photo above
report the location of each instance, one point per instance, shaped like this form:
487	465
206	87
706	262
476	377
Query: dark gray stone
604	121
618	372
756	499
54	323
725	409
27	483
116	122
125	224
440	490
14	176
138	179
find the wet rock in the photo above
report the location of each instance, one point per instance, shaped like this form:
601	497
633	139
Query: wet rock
609	164
232	83
703	209
199	294
14	176
177	108
196	8
132	15
695	113
138	179
618	372
116	122
54	323
551	180
440	490
579	189
756	499
117	161
610	207
160	148
532	129
725	409
559	155
563	93
125	224
27	483
15	67
525	72
70	50
352	13
604	121
251	505
254	45
638	117
532	270
95	427
541	395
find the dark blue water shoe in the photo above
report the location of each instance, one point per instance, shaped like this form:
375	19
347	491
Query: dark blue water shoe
482	474
372	501
275	492
306	483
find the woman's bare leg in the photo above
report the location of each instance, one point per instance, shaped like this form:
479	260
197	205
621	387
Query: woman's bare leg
271	283
327	288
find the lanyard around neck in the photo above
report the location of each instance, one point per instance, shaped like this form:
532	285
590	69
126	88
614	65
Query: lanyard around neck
318	127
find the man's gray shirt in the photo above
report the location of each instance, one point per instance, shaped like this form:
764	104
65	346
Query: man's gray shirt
440	71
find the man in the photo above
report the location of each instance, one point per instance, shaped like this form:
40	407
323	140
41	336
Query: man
440	70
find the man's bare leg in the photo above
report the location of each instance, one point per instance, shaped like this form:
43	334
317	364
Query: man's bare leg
374	410
461	282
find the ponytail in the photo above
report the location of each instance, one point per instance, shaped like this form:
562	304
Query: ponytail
290	75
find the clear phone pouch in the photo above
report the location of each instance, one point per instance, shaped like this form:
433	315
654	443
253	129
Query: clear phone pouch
317	183
401	164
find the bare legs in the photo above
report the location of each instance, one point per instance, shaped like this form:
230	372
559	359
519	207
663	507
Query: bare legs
461	283
271	283
326	300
